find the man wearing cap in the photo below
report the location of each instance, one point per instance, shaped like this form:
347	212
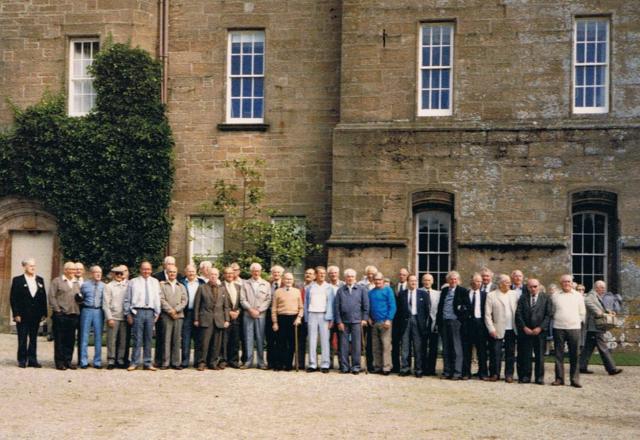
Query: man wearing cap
142	309
118	333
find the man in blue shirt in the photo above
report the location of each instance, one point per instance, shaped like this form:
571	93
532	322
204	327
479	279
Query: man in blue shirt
382	305
92	292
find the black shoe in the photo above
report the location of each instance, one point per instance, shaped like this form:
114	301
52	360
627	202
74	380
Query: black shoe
324	370
576	385
404	373
177	367
524	380
98	367
616	371
61	367
110	367
71	367
344	371
418	375
539	382
585	371
386	373
22	365
355	372
311	370
84	367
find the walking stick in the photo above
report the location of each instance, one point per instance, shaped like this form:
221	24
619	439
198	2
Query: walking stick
364	351
295	332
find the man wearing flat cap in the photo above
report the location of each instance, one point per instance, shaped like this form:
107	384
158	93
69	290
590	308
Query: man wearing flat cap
118	332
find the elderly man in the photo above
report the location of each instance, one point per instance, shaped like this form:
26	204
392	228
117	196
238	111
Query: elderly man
474	330
118	333
568	313
595	305
287	314
91	316
351	314
367	281
142	309
518	286
255	299
269	335
29	307
204	271
532	319
211	316
413	310
432	338
66	311
382	306
449	322
173	300
500	319
232	289
318	313
487	280
191	282
396	336
333	277
162	276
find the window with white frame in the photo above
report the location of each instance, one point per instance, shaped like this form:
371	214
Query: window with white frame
206	238
589	248
591	65
297	271
433	245
82	96
245	79
435	74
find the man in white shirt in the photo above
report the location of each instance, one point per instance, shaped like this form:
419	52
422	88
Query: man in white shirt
318	313
333	277
430	345
142	309
568	313
500	318
517	278
191	282
474	330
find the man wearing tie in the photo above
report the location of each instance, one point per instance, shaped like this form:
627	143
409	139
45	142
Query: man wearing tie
500	318
487	280
432	340
270	336
474	330
142	309
413	308
451	311
532	319
29	307
517	278
91	316
191	282
62	298
231	289
396	335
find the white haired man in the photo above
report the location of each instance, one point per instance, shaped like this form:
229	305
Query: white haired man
255	299
450	314
500	319
191	282
92	316
568	313
270	336
66	311
351	314
118	333
29	307
162	276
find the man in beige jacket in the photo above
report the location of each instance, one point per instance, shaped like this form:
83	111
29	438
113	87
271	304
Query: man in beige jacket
500	318
173	300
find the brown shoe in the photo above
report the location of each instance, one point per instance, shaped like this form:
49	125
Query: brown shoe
509	380
492	379
557	382
201	367
132	367
150	368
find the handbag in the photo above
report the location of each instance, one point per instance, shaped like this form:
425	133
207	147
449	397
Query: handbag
606	321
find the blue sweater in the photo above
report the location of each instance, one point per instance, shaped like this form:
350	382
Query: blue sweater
382	304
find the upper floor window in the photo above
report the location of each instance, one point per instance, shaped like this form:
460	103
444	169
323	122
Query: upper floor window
245	77
206	238
591	66
435	69
82	96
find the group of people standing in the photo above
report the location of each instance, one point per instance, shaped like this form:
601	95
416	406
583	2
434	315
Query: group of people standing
399	327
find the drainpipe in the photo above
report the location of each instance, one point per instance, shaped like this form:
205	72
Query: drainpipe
163	45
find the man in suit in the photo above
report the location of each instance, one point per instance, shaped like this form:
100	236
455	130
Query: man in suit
532	320
118	331
517	280
211	311
474	330
66	312
451	310
269	335
333	276
29	307
595	306
351	315
487	280
232	289
255	299
500	318
396	336
414	321
191	282
173	300
431	341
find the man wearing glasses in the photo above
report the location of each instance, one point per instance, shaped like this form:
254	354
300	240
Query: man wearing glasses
118	333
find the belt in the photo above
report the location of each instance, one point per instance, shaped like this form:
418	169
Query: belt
95	308
143	308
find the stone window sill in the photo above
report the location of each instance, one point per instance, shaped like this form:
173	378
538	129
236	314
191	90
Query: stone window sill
243	127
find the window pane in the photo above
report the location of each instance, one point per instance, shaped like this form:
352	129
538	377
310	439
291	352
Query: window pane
577	243
590	71
258	47
422	242
446	35
235	48
258	90
580	75
246	108
446	55
426	35
445	82
246	64
435	99
589	97
580	53
587	265
235	87
425	101
577	265
235	65
444	243
598	267
579	97
577	223
257	108
435	56
433	243
591	30
435	79
591	52
422	263
426	76
246	87
444	96
580	34
588	244
599	96
599	244
602	30
247	48
258	65
444	262
602	52
436	32
433	263
426	56
599	223
235	108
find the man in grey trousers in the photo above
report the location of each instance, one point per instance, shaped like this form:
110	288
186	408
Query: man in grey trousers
351	314
173	300
117	329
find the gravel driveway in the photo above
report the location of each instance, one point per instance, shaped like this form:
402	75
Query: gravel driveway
46	403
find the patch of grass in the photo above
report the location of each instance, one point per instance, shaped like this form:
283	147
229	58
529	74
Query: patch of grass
621	359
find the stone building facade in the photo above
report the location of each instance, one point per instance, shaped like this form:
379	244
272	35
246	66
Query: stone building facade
478	157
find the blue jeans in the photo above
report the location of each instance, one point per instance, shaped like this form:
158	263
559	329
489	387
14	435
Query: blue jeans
317	323
254	327
91	318
142	335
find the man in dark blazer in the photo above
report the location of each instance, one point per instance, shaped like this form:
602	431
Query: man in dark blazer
413	307
396	334
231	339
452	309
29	307
474	330
211	316
532	320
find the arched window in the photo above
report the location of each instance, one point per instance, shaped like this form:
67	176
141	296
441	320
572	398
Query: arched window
594	238
433	234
